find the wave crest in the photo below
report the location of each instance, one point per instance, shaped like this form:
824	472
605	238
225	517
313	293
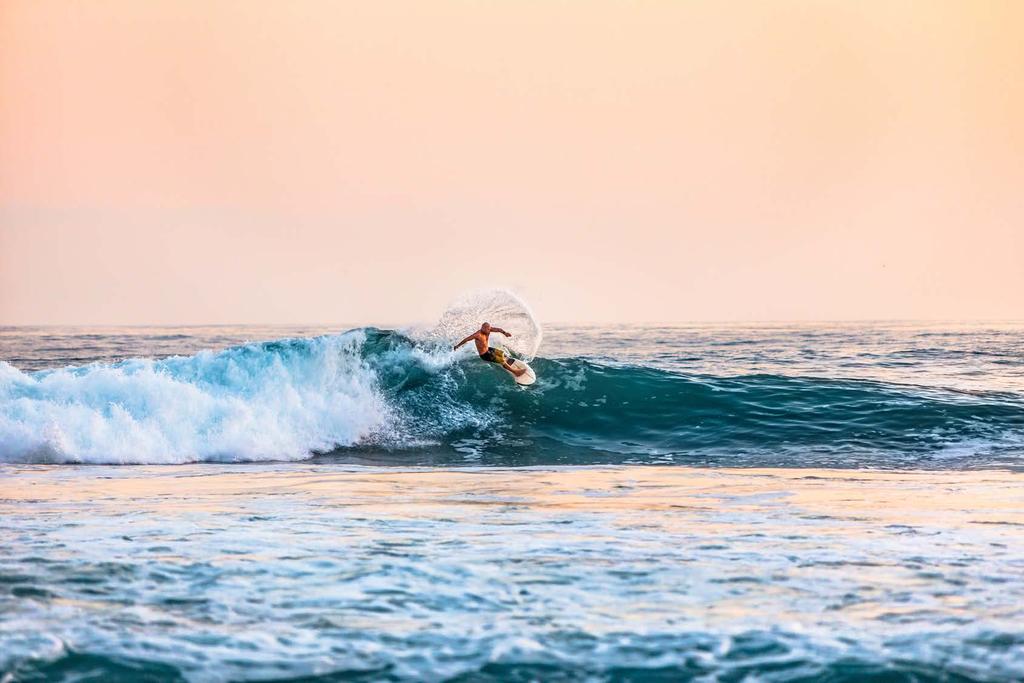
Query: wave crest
278	400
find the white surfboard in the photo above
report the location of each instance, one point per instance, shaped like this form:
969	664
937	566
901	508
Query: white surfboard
528	377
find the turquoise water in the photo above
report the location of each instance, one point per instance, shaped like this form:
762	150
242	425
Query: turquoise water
835	396
727	503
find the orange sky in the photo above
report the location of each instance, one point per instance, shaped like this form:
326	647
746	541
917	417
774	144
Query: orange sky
186	161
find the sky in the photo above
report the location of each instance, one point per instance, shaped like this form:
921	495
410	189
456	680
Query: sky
195	161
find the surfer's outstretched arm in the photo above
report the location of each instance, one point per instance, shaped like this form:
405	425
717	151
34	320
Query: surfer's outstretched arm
498	329
456	347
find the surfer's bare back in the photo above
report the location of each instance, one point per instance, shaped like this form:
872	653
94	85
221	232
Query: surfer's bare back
482	337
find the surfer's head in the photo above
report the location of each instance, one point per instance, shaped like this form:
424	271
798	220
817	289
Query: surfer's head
486	328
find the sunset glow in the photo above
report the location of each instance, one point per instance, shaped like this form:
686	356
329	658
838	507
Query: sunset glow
195	162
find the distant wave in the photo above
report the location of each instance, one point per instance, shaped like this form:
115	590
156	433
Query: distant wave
376	391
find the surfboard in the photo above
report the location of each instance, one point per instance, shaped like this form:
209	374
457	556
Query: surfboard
528	377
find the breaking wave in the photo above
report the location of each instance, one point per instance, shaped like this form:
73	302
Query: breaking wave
371	393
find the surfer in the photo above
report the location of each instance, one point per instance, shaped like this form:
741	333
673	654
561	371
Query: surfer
498	356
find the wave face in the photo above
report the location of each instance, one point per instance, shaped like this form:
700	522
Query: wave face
380	396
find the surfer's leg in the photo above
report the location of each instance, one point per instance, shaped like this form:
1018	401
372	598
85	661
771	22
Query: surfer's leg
517	373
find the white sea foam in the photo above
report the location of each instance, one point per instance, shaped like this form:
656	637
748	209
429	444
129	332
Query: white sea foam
282	400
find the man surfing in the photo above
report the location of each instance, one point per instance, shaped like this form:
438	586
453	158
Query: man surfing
481	337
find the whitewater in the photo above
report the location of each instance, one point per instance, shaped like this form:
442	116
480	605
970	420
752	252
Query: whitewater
285	399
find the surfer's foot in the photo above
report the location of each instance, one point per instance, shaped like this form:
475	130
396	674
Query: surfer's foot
517	373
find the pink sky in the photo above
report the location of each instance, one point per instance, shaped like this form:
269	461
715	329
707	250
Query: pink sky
176	161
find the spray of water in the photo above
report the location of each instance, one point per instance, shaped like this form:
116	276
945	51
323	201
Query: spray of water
499	307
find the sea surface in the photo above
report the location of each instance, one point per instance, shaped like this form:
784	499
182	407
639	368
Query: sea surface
773	502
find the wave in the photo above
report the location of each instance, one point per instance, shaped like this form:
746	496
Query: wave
381	396
276	400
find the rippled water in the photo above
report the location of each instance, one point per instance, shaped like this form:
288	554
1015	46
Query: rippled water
222	572
874	531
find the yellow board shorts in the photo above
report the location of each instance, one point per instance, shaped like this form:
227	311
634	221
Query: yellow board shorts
494	356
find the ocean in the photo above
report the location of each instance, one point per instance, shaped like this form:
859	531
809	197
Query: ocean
715	502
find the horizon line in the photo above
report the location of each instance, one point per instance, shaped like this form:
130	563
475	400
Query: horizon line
643	323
